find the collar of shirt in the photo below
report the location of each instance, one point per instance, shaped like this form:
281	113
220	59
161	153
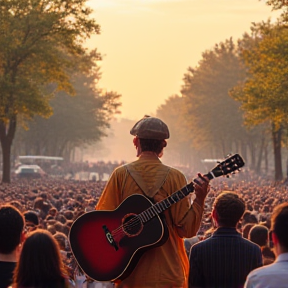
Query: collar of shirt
282	257
224	231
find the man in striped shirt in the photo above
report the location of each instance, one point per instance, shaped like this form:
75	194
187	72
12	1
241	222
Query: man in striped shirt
225	259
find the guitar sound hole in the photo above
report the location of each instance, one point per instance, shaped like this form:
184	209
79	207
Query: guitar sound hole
132	225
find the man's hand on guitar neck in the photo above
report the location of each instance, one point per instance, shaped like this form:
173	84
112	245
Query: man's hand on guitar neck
202	187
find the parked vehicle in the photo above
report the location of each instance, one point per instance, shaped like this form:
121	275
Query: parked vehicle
29	171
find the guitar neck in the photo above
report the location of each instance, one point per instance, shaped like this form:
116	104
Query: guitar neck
163	205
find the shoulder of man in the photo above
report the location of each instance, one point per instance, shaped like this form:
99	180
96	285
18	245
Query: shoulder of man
176	172
257	273
202	244
121	169
251	244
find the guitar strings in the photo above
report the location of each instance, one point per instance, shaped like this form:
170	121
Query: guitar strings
130	224
136	220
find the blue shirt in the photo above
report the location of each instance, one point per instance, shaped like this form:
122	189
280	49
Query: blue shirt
274	275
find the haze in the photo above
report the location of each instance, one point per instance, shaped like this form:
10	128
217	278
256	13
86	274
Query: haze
147	45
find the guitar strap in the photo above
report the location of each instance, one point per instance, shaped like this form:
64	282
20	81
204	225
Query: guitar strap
160	177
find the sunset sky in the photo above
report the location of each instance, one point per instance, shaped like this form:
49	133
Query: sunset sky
147	45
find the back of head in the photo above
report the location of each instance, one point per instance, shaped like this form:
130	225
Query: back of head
40	263
11	228
31	219
62	240
259	234
229	208
249	217
152	133
246	229
279	224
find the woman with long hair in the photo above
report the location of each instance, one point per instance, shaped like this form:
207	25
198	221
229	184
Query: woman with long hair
40	264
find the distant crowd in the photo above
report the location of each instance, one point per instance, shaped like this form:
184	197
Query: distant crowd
57	202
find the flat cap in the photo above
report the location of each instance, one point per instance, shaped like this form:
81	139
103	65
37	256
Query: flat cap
150	128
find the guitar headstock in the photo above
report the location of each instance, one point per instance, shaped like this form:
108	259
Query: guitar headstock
229	165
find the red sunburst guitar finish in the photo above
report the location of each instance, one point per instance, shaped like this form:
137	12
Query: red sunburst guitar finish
108	244
102	260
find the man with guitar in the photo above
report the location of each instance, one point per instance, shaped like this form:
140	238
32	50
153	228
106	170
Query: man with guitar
164	262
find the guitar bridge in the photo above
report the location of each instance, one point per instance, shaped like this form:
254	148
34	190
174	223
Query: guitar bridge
109	237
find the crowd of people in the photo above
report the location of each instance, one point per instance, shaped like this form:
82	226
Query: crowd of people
53	205
228	225
58	202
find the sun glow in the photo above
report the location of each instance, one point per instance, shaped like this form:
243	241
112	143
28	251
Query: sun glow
147	45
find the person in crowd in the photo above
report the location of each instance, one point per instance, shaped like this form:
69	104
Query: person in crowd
11	237
274	275
31	220
66	253
246	229
249	217
259	234
268	255
40	264
224	259
166	265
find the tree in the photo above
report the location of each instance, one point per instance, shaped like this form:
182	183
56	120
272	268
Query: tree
264	93
39	42
76	121
214	120
172	113
279	4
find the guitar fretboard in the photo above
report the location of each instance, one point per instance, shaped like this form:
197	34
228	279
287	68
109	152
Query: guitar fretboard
233	163
163	205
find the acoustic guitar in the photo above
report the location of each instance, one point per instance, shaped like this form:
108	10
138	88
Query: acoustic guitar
108	244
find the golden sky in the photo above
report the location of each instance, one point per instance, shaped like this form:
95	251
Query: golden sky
147	45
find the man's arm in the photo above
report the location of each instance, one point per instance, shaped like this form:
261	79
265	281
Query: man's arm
191	220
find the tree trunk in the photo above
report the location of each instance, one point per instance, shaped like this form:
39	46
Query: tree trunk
276	137
244	150
260	155
266	153
252	153
224	151
7	133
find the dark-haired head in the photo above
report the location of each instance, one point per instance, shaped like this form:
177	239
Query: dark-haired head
228	209
279	225
259	234
40	264
11	228
152	145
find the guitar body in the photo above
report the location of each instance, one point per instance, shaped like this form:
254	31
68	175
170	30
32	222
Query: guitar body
91	245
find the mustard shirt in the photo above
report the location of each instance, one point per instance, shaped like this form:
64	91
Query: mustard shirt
165	266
